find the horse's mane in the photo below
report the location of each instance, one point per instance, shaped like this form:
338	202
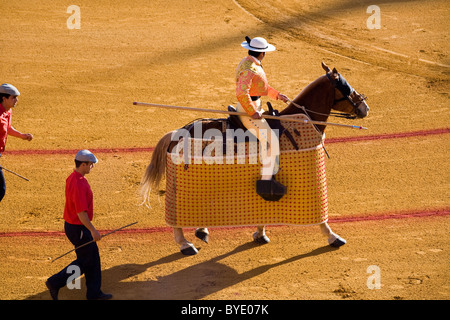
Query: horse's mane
311	98
312	86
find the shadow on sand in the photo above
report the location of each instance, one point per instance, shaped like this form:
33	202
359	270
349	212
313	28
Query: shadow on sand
191	283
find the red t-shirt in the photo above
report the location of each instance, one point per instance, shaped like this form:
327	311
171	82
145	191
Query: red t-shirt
5	125
79	198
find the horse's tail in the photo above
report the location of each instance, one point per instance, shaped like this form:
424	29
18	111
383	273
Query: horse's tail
156	168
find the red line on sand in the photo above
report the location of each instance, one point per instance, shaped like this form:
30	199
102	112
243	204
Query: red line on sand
398	215
389	216
410	134
386	136
73	151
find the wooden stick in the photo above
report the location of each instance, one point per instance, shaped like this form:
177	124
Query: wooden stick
85	244
283	118
1	167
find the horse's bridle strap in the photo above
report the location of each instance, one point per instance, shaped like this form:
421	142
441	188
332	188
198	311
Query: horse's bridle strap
344	89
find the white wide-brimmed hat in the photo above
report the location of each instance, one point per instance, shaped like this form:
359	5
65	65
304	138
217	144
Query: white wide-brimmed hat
257	44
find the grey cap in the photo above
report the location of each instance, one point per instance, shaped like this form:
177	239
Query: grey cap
7	88
86	155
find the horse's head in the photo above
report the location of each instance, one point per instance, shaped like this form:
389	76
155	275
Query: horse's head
346	98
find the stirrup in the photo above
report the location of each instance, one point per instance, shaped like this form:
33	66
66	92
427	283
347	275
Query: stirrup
270	190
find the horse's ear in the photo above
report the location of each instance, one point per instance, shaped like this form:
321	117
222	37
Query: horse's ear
335	71
325	67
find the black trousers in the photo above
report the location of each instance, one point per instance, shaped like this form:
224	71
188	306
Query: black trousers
2	184
88	260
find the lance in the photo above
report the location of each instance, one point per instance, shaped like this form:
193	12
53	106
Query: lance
283	118
1	167
85	244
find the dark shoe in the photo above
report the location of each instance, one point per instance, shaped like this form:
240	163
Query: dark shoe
102	296
53	291
270	190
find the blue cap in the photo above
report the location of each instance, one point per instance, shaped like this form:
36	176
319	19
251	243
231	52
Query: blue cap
85	156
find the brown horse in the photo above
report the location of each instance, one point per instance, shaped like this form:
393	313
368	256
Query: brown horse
329	92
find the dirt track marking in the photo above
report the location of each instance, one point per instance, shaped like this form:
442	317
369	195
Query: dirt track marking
388	216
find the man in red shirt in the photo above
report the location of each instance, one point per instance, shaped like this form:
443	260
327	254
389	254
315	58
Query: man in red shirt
78	214
8	100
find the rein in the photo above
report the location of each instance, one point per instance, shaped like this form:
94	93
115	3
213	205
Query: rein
332	113
345	90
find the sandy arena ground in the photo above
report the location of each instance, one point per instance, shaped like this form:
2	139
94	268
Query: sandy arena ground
388	190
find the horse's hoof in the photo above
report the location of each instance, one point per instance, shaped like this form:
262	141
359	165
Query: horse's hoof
338	242
189	251
202	235
260	239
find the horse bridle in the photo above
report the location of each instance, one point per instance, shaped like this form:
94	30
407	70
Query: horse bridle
346	90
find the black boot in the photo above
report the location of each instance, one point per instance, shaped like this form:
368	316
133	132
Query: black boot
53	290
270	190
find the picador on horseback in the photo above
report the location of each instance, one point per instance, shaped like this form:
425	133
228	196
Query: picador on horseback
208	194
251	84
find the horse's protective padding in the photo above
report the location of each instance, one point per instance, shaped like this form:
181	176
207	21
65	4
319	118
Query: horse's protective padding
206	194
